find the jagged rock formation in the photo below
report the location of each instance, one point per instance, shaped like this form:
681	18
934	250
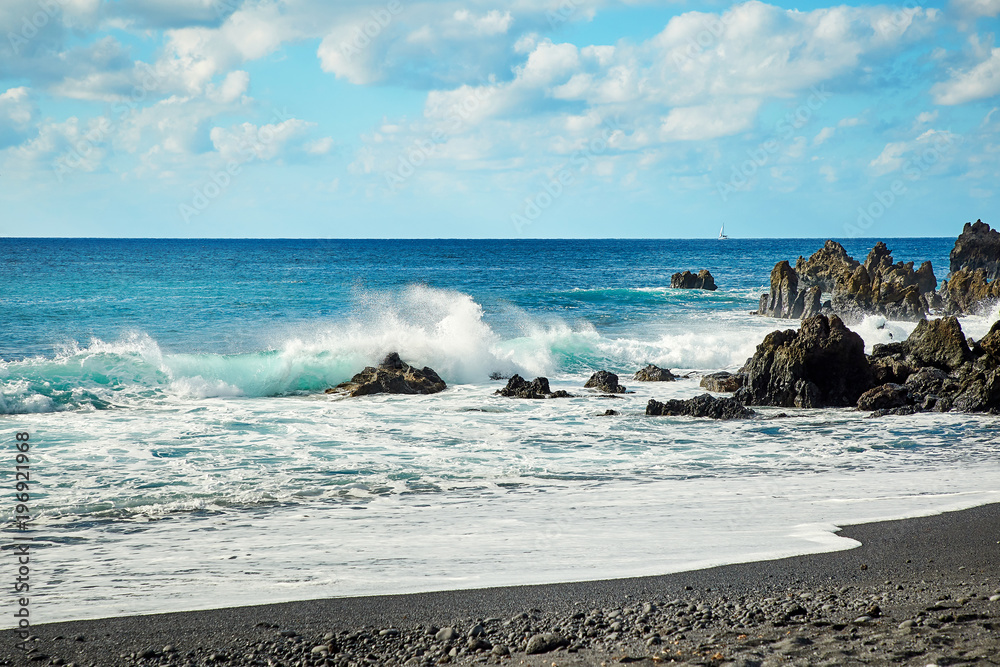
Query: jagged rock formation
722	382
977	247
966	290
391	376
884	397
877	286
700	406
824	365
826	267
518	387
821	365
606	382
975	269
688	280
651	373
939	370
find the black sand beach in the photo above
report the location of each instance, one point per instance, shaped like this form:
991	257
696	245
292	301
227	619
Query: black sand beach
917	592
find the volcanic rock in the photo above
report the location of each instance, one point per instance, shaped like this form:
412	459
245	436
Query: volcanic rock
885	397
940	370
821	365
939	343
966	289
889	368
856	290
518	387
784	291
826	267
975	269
652	373
930	382
977	247
391	376
606	382
990	343
722	382
688	280
700	406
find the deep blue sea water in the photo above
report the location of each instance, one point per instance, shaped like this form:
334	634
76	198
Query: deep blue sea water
187	457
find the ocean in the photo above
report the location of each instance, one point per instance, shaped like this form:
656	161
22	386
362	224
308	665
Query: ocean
184	455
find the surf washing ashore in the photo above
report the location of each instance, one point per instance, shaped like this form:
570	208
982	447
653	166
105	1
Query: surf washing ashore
187	456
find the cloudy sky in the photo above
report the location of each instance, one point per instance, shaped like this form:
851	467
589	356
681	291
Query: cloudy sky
497	118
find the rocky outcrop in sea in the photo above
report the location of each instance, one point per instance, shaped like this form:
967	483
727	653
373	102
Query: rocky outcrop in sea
975	269
832	282
824	365
391	376
518	387
652	373
700	406
688	280
606	382
937	369
876	286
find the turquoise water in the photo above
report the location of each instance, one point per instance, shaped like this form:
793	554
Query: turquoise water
186	457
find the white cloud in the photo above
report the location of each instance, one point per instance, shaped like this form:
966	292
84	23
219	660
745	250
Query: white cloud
823	135
708	121
245	142
170	13
320	146
232	88
67	145
492	23
758	49
927	151
891	157
979	82
976	8
18	114
549	63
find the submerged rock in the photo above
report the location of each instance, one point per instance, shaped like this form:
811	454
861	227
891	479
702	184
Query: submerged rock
651	373
688	280
722	382
518	387
391	376
700	406
821	365
605	381
885	397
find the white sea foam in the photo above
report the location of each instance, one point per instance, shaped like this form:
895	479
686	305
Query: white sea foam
443	329
321	496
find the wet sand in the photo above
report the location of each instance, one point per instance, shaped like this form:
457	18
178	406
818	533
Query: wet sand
916	592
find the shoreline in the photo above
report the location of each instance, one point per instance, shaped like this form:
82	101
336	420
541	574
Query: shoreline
900	570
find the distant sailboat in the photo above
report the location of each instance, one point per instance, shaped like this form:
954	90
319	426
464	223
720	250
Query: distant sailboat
722	233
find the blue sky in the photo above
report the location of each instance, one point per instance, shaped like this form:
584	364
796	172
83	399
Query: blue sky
542	118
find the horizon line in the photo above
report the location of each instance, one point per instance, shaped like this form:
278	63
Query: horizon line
459	238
